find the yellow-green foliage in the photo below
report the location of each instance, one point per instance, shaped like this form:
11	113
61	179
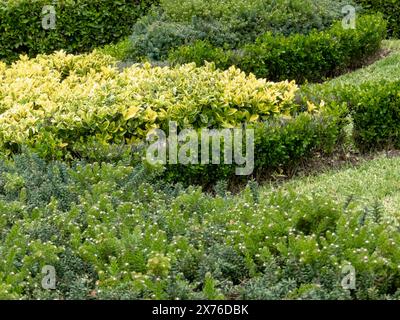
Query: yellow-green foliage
54	103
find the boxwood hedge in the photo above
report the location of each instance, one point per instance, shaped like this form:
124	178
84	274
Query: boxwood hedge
391	10
313	57
80	25
375	109
280	144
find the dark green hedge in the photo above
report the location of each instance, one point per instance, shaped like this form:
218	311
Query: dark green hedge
279	145
375	109
228	24
391	10
81	25
312	57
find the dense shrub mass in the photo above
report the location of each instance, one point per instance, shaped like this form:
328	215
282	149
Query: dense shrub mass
64	106
371	95
57	104
280	145
76	190
391	10
314	56
113	231
376	115
227	24
81	25
374	108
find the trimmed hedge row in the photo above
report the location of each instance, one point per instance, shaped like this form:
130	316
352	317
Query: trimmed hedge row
80	25
391	10
227	24
312	57
64	106
59	103
372	98
375	109
279	146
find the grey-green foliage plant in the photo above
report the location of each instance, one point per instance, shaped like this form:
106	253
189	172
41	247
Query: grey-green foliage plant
122	234
227	24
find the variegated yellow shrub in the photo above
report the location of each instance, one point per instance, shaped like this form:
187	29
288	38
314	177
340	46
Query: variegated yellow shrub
54	103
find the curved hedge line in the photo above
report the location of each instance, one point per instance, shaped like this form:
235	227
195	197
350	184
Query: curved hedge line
280	144
391	10
227	24
372	98
374	107
81	25
312	57
65	106
56	103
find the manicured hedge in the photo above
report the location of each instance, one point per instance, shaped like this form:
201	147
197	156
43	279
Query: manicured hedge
372	96
280	145
80	25
375	109
391	10
312	57
227	24
57	104
65	106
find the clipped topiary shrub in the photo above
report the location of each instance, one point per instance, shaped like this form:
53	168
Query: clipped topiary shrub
313	57
391	10
227	24
375	109
79	25
280	144
57	103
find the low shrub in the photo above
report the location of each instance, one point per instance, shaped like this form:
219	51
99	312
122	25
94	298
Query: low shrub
80	25
121	233
391	10
375	109
64	107
227	24
312	57
57	104
280	144
371	96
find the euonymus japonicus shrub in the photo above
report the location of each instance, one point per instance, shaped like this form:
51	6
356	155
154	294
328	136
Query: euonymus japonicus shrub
56	104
